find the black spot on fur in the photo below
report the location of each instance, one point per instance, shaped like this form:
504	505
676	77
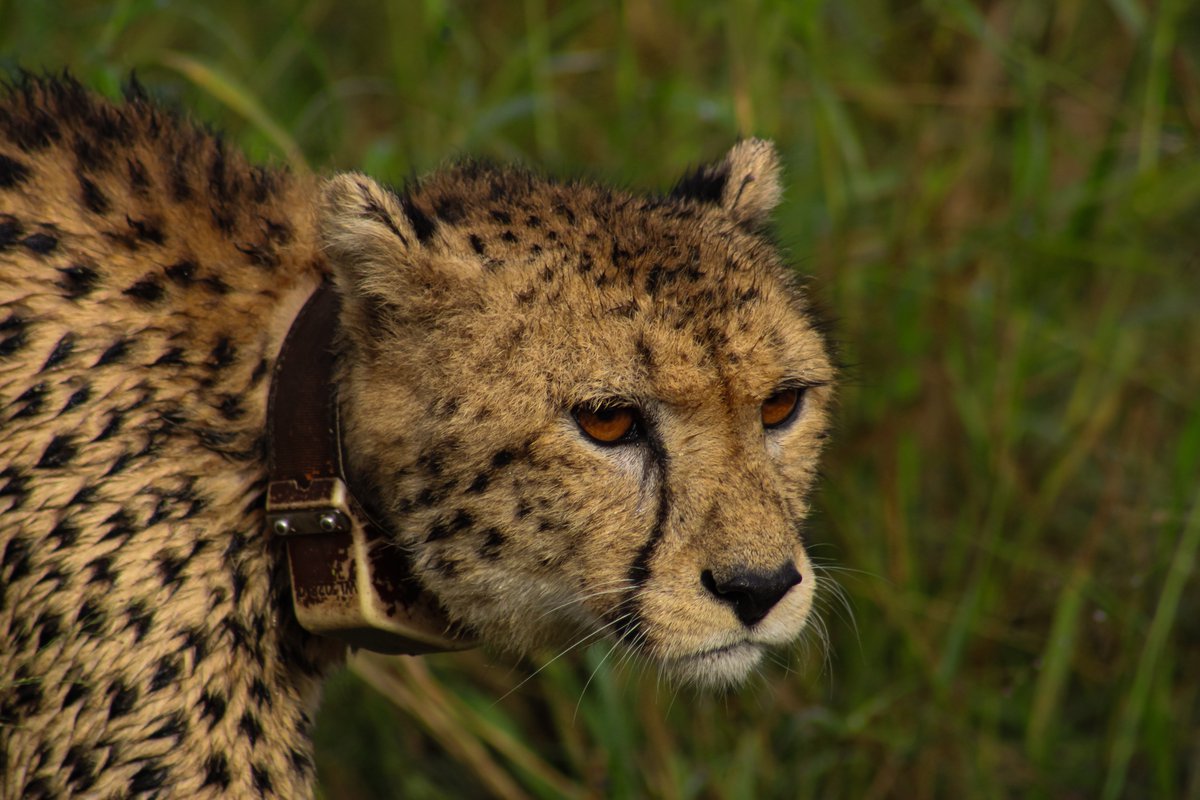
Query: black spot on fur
705	184
172	357
477	245
10	231
120	525
140	618
260	372
300	760
493	541
92	197
223	353
169	567
12	172
119	464
148	778
260	255
260	692
84	497
89	154
449	209
216	286
16	559
102	571
77	398
182	272
38	788
562	210
262	779
27	693
280	232
501	216
115	418
212	707
53	575
502	459
16	486
33	130
146	230
83	768
655	277
33	398
60	353
13	329
173	727
423	225
58	453
617	254
65	532
40	243
139	180
91	618
250	727
75	693
148	290
479	484
115	353
78	280
216	771
509	237
166	673
438	530
49	626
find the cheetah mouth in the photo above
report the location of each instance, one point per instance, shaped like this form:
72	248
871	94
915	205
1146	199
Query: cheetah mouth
718	666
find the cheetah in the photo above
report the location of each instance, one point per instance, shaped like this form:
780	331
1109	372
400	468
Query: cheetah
571	411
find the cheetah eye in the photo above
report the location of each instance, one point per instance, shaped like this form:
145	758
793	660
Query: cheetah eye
780	408
609	425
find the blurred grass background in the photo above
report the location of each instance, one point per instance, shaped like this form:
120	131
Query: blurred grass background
998	201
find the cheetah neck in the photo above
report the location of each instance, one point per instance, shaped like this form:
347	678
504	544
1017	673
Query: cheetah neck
346	583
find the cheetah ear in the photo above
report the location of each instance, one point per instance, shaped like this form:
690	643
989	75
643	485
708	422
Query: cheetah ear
382	249
745	183
366	229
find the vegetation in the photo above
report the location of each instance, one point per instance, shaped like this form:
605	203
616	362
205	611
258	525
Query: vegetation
999	202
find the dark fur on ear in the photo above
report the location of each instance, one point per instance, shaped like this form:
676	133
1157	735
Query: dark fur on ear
386	254
745	183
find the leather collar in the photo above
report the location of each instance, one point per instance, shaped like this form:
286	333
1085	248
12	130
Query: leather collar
349	579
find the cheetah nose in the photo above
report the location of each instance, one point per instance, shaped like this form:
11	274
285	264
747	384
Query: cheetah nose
751	593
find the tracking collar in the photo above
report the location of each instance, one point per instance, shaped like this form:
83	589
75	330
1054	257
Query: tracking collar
349	580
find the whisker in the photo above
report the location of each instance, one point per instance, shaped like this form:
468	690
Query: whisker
577	643
580	599
583	691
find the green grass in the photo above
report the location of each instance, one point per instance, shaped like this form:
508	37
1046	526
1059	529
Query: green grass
1000	205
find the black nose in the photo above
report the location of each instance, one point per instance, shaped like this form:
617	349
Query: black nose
752	593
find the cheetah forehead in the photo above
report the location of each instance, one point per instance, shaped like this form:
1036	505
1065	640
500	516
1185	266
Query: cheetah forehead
608	292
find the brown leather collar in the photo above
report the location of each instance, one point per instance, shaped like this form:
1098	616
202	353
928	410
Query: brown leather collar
349	580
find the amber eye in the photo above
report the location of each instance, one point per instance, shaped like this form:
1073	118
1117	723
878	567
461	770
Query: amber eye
608	424
779	408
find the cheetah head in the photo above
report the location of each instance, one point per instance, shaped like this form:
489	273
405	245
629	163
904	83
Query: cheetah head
586	413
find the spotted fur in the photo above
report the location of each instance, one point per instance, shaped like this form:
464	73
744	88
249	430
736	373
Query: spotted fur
147	276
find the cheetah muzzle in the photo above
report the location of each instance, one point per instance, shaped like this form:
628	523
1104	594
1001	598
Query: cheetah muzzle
573	412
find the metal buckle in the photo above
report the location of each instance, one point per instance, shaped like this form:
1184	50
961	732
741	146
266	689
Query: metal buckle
348	581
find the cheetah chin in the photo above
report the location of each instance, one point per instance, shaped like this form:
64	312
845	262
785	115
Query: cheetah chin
567	413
